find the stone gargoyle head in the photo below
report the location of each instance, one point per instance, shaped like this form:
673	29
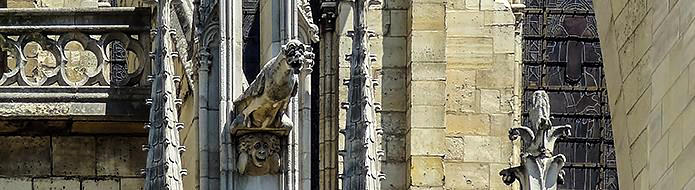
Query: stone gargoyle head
294	53
259	154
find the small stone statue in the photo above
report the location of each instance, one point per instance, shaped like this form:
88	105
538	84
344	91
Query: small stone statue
539	169
264	103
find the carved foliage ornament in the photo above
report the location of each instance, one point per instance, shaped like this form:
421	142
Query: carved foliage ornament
539	170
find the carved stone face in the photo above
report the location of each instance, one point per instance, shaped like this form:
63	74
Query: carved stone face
259	154
294	51
259	151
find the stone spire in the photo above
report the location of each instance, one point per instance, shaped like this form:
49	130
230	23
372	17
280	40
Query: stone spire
164	148
539	169
362	168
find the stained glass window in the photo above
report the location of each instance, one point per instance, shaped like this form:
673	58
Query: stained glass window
562	56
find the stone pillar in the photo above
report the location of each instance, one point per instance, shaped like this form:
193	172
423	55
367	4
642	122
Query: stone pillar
328	99
425	138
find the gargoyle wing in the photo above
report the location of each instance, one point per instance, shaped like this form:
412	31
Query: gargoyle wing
255	89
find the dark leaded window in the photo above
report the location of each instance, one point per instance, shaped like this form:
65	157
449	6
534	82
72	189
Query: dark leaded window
562	56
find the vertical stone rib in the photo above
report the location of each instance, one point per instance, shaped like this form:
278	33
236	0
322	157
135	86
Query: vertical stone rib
361	164
163	157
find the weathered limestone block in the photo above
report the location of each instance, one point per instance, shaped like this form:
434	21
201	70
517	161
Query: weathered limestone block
393	86
74	155
426	50
398	23
56	183
395	148
469	52
487	149
120	156
430	16
428	93
426	171
81	3
462	96
461	124
15	184
107	128
500	124
427	116
394	53
100	185
20	4
490	101
455	147
467	175
467	23
396	172
51	3
497	75
429	141
25	156
132	183
428	71
394	122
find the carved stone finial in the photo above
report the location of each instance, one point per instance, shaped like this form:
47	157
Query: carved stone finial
539	169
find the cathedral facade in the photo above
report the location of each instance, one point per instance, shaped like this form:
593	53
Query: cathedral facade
352	94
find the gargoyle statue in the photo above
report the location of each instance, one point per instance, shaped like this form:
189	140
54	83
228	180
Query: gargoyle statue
259	154
263	104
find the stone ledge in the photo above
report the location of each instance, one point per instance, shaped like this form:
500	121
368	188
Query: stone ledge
76	103
87	20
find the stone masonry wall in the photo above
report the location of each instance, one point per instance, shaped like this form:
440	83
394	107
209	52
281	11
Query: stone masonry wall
71	162
482	91
647	50
449	73
464	93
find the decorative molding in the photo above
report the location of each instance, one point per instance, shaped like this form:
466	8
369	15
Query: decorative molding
539	170
306	21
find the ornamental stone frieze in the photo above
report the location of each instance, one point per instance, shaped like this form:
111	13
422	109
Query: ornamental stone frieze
82	63
77	47
539	169
73	59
